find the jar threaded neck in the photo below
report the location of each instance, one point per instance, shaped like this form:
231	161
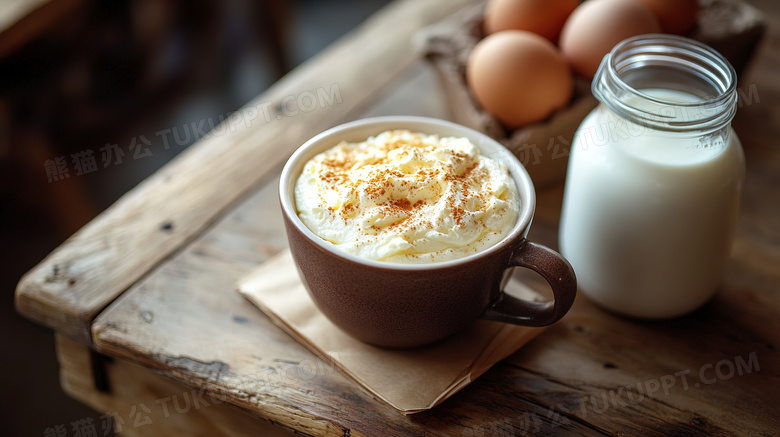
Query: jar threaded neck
659	61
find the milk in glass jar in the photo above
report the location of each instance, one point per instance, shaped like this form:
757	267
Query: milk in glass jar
654	179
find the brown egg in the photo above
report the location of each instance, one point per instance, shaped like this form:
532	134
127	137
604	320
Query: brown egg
519	77
597	25
675	16
543	17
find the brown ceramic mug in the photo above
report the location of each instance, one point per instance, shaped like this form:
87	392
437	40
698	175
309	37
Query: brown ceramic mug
407	305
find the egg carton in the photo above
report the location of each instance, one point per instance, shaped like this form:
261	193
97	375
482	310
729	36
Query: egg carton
729	26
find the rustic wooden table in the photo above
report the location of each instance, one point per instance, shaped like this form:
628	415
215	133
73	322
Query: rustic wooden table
151	331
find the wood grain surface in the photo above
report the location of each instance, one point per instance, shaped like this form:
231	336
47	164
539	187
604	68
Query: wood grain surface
714	372
137	402
591	374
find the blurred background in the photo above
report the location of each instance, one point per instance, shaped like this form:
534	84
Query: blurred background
94	97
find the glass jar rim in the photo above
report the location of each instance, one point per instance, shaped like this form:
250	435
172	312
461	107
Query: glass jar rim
671	52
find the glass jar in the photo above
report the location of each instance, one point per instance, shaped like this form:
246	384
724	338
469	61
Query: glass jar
654	179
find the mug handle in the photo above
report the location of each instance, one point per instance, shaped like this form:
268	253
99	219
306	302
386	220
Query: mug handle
555	270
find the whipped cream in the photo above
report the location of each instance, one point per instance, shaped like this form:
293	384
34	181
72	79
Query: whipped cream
407	197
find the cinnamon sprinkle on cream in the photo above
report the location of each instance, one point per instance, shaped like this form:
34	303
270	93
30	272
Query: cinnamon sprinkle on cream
407	197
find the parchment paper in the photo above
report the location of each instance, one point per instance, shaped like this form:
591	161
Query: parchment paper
409	380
